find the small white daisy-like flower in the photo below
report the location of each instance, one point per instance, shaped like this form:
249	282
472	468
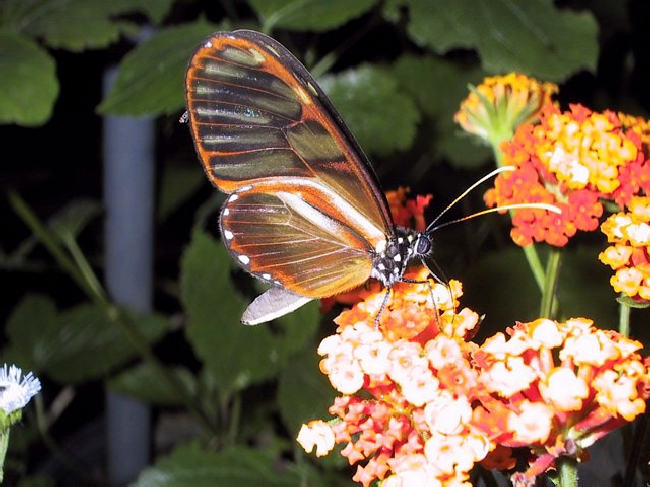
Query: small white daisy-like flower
15	392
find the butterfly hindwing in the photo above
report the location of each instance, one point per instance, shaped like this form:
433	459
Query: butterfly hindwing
282	239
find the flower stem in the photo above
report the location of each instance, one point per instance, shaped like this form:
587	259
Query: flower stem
530	251
550	283
535	264
624	319
567	470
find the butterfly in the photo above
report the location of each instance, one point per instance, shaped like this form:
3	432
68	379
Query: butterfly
305	210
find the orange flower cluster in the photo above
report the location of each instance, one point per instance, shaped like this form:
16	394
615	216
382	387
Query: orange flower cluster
404	410
629	236
496	107
571	159
555	388
408	212
421	404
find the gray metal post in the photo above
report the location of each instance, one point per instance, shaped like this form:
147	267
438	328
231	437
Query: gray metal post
129	202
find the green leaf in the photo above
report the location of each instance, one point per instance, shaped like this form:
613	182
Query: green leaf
75	345
628	301
439	86
79	24
28	83
237	466
296	331
237	355
144	383
308	15
73	218
177	183
155	11
150	78
74	25
30	319
532	37
304	393
382	118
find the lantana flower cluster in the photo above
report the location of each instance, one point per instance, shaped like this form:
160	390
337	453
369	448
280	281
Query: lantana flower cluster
572	159
628	233
421	403
496	107
580	161
555	388
405	384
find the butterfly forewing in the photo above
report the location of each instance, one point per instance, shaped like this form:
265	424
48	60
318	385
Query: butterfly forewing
257	115
305	210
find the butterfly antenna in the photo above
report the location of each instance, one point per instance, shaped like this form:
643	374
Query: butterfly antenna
489	175
534	206
514	206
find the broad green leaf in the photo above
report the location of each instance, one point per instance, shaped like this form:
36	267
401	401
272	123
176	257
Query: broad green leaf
75	345
28	83
74	25
296	331
533	37
308	15
237	355
382	118
144	383
304	393
237	466
79	24
155	11
150	78
73	218
30	319
177	184
439	86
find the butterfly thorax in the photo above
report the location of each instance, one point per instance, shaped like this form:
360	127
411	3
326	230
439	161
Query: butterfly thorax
389	263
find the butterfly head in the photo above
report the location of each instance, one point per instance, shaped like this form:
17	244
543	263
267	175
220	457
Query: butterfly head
389	263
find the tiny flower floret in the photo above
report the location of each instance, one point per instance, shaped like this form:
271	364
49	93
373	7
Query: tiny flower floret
16	392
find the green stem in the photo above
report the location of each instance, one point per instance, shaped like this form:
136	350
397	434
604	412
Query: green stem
93	289
624	319
234	418
85	268
550	283
567	472
530	251
49	242
535	264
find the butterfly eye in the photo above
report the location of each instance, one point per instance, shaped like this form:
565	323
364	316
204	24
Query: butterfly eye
423	244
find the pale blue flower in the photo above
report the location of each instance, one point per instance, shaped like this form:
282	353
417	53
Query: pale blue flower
15	392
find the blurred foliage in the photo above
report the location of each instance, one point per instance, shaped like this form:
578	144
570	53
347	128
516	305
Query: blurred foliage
397	71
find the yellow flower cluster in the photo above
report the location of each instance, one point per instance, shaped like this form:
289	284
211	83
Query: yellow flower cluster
584	148
496	107
629	236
